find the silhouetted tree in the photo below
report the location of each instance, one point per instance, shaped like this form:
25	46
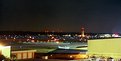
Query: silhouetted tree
2	57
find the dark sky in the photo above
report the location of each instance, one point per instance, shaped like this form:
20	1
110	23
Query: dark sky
61	15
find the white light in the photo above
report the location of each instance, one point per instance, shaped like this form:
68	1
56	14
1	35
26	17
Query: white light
115	35
1	47
57	42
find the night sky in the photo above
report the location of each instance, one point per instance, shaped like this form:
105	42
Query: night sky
61	15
